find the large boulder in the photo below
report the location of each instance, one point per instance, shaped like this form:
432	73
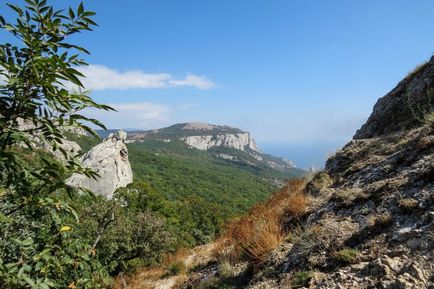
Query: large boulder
110	160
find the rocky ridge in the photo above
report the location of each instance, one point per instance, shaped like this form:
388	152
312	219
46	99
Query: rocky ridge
370	218
374	199
110	160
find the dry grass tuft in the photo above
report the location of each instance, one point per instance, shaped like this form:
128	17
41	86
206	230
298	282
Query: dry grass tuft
259	232
408	204
172	264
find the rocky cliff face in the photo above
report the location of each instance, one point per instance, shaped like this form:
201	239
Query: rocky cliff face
239	141
370	223
405	106
110	160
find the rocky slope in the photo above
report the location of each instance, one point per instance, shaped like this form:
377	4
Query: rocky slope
375	199
110	160
370	218
206	137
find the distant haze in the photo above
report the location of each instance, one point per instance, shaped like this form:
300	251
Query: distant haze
305	155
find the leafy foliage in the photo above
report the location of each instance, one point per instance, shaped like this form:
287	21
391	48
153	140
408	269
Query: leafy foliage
37	105
180	172
124	232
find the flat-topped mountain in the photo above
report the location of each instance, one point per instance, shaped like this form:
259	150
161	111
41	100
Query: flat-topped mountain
186	129
201	136
224	141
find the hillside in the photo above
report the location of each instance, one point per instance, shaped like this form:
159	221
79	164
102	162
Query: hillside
206	137
366	221
231	178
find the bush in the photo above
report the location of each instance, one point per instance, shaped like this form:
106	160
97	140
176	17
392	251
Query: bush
346	255
225	270
177	268
125	235
407	204
301	279
39	247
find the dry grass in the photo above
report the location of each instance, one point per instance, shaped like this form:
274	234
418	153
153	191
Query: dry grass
140	279
259	232
172	264
408	204
416	70
180	255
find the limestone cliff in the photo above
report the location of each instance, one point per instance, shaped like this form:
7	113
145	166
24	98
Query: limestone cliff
110	160
204	136
239	141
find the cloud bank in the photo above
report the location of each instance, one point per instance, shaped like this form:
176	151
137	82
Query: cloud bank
99	77
133	115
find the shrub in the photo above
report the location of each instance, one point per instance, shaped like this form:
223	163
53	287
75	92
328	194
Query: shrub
39	247
177	267
301	279
134	237
225	270
306	242
214	283
379	221
349	197
320	181
346	255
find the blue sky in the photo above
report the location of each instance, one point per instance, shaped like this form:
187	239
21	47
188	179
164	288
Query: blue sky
298	72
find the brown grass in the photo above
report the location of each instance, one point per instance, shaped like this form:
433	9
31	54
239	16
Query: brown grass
140	279
179	255
256	234
143	278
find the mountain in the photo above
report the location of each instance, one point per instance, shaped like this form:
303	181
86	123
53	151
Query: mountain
215	138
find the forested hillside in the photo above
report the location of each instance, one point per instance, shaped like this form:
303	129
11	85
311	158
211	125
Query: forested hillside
179	172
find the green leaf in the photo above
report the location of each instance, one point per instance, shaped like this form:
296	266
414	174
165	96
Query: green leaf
80	9
71	13
29	281
16	8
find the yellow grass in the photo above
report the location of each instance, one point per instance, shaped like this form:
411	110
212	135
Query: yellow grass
259	232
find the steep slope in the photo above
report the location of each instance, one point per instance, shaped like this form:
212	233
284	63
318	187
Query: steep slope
370	218
380	205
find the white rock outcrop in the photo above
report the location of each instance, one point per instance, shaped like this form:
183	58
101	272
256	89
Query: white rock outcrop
71	148
240	141
110	160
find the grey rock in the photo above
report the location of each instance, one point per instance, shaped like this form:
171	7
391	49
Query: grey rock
110	160
399	108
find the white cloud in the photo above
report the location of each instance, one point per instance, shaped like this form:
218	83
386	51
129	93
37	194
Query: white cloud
193	80
143	115
99	77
